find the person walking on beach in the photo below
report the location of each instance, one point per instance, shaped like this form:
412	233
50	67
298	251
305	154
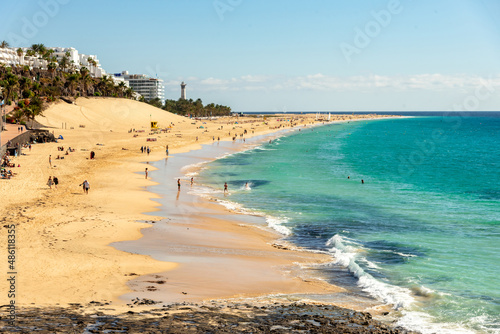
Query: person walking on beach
166	150
142	149
225	187
178	184
146	172
148	150
49	182
192	181
56	181
86	186
50	161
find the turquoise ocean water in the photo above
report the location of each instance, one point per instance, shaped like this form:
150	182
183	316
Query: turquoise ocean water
423	231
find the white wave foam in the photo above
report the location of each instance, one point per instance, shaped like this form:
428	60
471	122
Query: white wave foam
346	252
191	174
405	255
231	205
424	291
265	148
372	265
204	191
276	224
424	323
195	165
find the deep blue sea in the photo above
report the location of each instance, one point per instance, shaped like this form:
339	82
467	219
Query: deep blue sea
422	232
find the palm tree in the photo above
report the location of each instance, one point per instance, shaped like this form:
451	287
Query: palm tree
104	84
88	82
24	84
39	49
33	109
84	71
47	54
64	63
20	54
85	78
52	68
129	92
72	82
18	115
92	63
36	87
9	84
4	45
121	88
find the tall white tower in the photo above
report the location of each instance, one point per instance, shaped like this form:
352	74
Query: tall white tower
183	90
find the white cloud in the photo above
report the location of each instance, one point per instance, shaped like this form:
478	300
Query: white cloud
324	83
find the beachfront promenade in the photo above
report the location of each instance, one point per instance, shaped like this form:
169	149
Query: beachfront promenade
11	131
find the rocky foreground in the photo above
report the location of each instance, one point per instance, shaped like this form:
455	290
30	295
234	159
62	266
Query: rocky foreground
190	318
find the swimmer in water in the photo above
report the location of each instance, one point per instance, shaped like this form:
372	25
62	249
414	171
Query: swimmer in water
247	187
362	181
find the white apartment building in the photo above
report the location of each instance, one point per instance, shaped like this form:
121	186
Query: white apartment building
150	88
10	57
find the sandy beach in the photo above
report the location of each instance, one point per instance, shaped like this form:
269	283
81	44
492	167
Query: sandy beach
63	236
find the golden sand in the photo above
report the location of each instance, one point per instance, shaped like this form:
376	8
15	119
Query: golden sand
63	235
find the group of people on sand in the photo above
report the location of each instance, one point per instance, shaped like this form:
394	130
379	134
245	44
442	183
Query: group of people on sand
7	162
53	181
6	174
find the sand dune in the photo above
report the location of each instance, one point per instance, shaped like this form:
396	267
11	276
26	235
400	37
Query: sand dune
104	114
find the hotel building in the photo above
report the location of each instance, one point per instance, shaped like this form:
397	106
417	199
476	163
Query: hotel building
150	88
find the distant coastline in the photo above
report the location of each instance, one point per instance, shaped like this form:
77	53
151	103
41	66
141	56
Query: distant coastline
395	113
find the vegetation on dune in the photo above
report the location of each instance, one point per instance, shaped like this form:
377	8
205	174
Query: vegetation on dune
27	87
190	107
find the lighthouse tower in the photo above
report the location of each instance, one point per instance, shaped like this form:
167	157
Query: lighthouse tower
183	90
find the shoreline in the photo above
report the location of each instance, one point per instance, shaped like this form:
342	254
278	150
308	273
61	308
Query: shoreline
337	295
69	233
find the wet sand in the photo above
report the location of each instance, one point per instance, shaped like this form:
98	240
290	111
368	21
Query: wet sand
222	254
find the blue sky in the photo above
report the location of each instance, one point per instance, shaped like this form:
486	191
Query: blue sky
256	55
